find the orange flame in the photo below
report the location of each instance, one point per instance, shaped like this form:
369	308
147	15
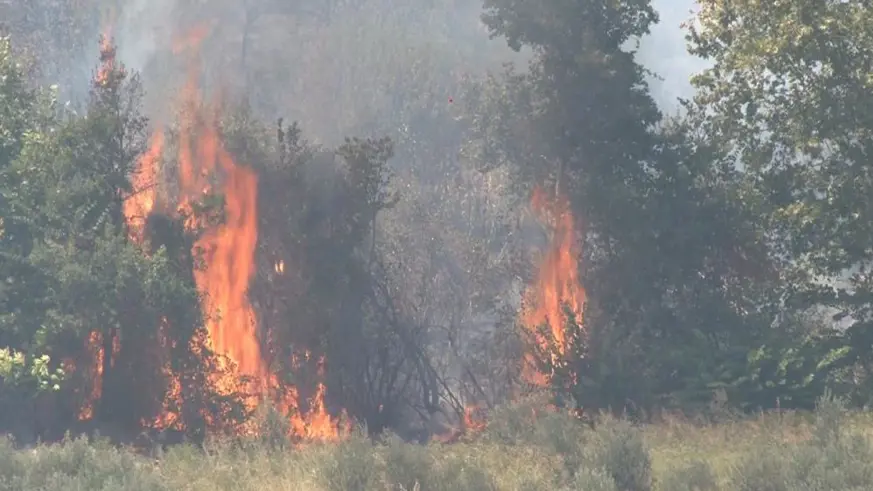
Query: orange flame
227	252
472	422
317	423
557	285
107	49
96	353
95	349
192	40
141	201
94	343
107	61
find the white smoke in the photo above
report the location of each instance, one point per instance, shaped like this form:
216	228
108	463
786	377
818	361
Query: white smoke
141	30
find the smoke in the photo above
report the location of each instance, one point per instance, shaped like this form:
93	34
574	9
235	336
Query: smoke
140	25
321	72
338	70
664	52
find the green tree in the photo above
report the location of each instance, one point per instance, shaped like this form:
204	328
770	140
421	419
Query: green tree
101	297
24	113
787	99
671	257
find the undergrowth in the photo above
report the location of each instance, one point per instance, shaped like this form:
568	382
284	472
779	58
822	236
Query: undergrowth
521	449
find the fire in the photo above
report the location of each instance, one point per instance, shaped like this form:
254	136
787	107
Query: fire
107	61
225	251
317	423
141	201
472	422
96	352
94	343
191	40
557	285
95	347
107	49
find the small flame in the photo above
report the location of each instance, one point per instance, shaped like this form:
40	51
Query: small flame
141	201
472	423
96	354
107	49
107	62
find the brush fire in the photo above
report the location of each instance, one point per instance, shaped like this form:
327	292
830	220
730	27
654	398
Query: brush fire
225	253
225	250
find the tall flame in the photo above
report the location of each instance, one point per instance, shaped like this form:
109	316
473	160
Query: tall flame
226	251
557	286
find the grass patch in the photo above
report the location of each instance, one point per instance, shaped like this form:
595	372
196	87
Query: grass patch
521	450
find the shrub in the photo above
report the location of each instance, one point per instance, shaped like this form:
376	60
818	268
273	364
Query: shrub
76	464
834	458
352	466
458	471
618	448
592	480
695	476
408	466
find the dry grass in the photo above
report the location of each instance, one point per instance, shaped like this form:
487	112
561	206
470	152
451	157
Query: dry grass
830	450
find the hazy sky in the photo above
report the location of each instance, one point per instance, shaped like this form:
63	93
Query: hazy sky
664	52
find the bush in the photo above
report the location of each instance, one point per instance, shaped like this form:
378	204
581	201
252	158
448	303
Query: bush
459	471
408	466
75	465
614	449
592	480
618	448
696	476
836	457
354	466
